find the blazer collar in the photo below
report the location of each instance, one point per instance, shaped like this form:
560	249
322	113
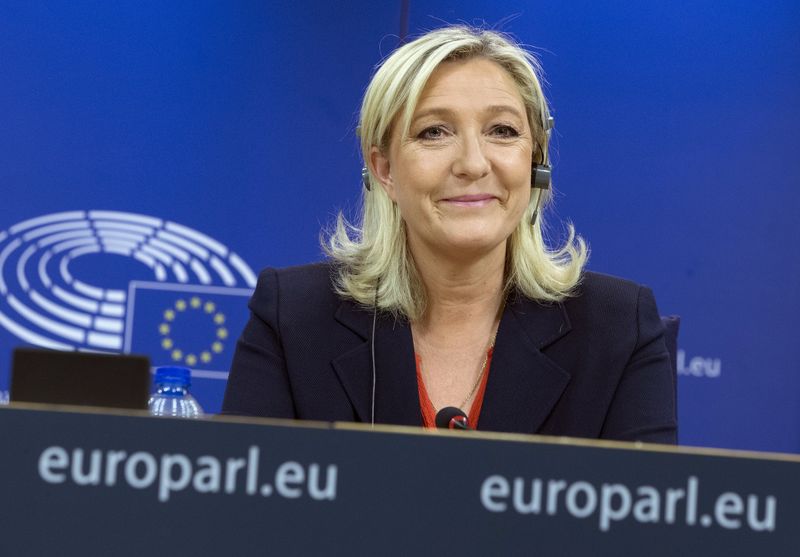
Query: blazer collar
523	386
396	394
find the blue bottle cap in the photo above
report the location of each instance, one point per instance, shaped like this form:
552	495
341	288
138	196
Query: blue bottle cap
173	374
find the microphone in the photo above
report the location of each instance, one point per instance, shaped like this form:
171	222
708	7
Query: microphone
452	418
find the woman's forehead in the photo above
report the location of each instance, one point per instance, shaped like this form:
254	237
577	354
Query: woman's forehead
478	79
474	86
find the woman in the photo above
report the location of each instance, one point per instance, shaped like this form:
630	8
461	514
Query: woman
445	294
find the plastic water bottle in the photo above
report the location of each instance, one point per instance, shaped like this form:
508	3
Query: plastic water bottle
172	396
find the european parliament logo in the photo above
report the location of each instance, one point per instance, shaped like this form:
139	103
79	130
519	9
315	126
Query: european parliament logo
112	281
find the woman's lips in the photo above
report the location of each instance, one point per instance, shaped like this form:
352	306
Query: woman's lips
477	200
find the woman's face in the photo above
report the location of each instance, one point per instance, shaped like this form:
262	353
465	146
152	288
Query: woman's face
461	178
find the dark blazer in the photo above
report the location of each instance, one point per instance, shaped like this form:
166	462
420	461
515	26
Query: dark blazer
593	366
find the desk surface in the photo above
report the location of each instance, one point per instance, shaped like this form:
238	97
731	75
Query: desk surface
123	483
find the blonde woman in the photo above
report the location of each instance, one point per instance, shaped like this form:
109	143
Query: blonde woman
444	293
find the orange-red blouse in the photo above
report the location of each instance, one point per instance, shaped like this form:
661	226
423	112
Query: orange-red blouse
429	412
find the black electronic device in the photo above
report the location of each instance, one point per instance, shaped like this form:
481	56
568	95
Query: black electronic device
80	378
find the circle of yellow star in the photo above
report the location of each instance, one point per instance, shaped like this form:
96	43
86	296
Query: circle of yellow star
197	304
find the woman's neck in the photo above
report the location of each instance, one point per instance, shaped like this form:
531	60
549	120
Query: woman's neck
461	292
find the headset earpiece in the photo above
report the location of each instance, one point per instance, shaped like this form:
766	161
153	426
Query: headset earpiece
365	178
540	179
541	176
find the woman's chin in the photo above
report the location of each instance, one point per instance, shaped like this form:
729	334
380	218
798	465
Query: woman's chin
471	245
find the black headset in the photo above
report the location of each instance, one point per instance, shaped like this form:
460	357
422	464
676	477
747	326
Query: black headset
542	174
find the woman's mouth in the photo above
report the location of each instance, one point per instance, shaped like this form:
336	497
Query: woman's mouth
476	200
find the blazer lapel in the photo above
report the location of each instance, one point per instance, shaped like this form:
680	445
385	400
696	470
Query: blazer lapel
524	384
396	395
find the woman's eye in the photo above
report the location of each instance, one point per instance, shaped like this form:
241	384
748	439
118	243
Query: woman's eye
433	132
505	131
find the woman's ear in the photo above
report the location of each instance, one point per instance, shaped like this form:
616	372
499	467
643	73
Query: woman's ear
381	169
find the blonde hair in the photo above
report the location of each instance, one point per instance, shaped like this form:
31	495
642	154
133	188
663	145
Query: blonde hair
373	254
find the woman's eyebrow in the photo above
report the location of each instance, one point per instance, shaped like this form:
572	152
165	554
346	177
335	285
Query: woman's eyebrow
500	108
433	111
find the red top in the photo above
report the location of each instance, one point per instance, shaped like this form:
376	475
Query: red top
429	412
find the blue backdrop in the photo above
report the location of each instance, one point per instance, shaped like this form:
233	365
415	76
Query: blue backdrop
154	156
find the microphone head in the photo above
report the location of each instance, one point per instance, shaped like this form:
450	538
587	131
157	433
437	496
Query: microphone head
451	418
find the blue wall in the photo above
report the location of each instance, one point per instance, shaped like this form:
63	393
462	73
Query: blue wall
236	120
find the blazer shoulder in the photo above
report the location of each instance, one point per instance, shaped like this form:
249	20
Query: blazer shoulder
605	290
294	287
600	283
298	277
301	276
609	299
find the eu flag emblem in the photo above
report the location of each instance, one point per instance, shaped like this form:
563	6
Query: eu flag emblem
191	326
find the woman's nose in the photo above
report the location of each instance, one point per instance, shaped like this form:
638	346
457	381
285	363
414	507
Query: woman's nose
471	162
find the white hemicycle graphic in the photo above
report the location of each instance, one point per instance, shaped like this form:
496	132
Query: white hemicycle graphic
43	304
